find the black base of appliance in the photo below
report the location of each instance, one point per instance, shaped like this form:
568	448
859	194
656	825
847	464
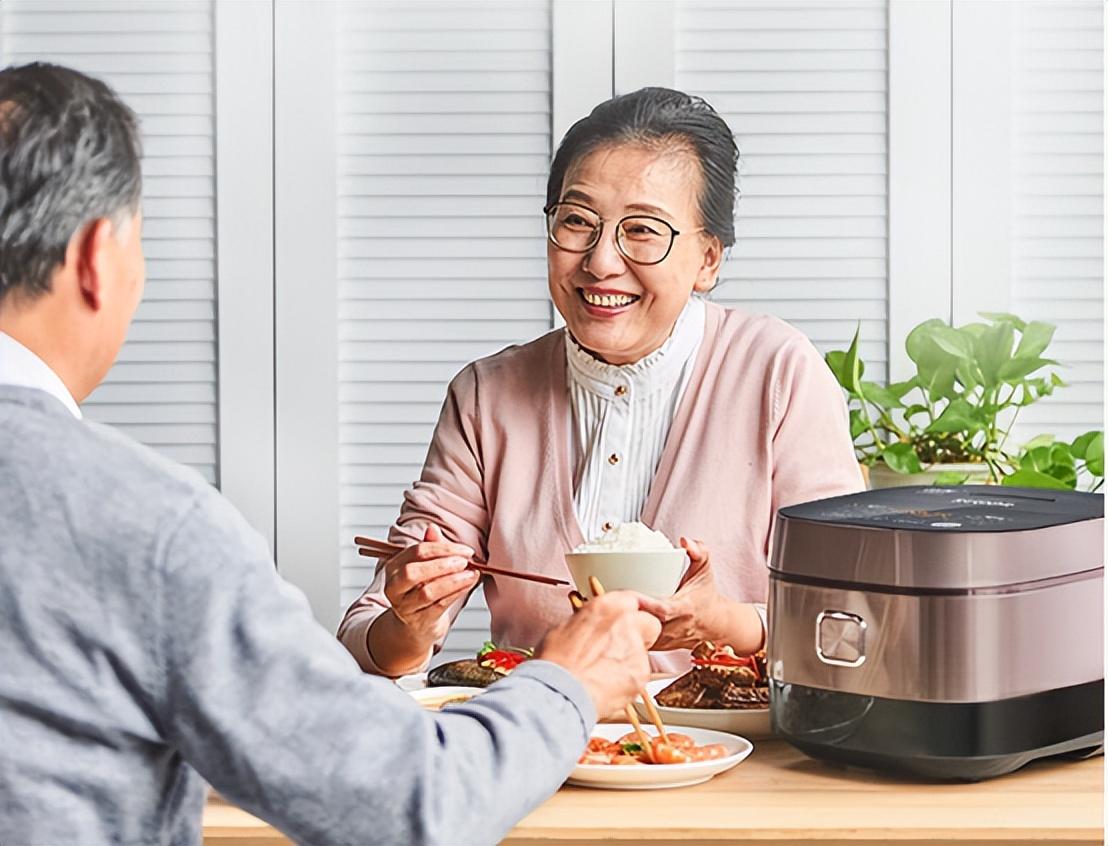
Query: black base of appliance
961	741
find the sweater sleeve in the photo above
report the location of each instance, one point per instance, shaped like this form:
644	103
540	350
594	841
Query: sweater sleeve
813	455
272	711
449	494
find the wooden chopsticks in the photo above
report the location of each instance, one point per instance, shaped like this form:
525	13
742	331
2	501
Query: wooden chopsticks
647	699
372	548
578	602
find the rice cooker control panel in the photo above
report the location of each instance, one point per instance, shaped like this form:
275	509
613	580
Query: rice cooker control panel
841	638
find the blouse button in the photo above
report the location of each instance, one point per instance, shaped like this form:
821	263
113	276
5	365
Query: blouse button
607	527
613	459
621	390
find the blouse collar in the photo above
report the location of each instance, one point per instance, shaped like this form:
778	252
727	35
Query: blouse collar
661	370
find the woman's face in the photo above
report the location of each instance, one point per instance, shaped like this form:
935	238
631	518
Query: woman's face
615	182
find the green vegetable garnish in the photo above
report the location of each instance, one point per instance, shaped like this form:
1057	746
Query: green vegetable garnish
631	748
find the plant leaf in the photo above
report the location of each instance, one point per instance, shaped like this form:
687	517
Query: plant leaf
919	341
913	410
973	329
951	477
953	342
1003	317
1035	338
1094	455
858	424
1034	479
958	416
1015	369
899	389
967	375
939	383
992	349
1080	446
1039	440
846	366
880	396
902	458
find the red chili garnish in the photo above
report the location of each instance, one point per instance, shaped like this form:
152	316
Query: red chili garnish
726	658
502	660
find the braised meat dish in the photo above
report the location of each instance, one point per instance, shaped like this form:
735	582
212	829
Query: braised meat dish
719	679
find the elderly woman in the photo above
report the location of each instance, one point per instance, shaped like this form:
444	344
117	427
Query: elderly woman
651	404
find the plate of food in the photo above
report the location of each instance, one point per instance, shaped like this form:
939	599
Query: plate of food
616	760
491	664
437	698
723	692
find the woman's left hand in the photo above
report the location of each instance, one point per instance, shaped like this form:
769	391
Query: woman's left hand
696	602
698	612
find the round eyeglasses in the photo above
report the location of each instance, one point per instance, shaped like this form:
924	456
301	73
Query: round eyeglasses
641	239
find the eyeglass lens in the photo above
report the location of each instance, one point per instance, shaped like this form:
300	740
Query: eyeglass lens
642	239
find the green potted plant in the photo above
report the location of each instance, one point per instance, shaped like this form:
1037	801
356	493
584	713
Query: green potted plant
950	422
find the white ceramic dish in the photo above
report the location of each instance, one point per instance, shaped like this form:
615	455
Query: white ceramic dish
416	681
753	723
655	776
433	698
656	572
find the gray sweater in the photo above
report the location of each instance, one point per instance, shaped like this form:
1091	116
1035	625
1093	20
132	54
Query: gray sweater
147	644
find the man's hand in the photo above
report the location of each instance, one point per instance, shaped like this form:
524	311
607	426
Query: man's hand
604	645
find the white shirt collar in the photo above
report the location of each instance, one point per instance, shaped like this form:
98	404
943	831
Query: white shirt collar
660	370
22	368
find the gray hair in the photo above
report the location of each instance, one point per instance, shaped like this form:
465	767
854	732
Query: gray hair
69	154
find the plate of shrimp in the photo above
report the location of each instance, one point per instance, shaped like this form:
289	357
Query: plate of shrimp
615	757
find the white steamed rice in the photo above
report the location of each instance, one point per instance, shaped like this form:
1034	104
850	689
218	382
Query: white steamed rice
628	537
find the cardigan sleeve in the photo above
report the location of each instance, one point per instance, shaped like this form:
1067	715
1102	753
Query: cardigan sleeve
813	454
449	494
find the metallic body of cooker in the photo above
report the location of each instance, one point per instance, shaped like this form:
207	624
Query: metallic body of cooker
946	632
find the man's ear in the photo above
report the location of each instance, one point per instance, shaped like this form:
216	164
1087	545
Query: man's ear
709	268
90	251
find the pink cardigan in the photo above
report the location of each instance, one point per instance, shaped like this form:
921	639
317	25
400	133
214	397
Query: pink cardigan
762	424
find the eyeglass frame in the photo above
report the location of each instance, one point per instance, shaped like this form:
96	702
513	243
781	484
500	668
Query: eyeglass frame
674	232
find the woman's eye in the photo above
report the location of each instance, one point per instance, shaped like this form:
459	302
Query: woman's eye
575	220
641	230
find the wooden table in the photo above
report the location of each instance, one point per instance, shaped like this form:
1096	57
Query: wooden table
778	796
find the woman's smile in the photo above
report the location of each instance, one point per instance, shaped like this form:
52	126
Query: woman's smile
605	302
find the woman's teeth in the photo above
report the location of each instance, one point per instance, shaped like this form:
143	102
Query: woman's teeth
608	300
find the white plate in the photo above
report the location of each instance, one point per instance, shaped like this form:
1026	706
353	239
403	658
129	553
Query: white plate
753	723
653	776
433	697
416	681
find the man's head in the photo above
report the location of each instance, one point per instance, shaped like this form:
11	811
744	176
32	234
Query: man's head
71	265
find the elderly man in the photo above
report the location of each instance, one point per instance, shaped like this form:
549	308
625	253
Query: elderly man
147	639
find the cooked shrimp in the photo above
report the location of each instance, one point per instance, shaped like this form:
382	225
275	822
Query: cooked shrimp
676	740
628	750
667	753
709	753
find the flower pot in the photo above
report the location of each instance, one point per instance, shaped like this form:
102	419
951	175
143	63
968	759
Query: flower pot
880	476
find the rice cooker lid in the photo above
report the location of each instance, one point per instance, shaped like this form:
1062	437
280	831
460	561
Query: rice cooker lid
954	537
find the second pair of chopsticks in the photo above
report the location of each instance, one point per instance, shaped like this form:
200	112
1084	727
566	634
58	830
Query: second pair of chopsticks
578	602
373	548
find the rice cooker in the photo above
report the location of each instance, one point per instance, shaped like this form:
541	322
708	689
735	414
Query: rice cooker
944	632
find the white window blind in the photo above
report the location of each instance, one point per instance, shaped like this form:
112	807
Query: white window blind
158	56
1057	254
443	149
803	86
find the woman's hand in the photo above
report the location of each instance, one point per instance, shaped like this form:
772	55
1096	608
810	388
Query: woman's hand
697	611
423	581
